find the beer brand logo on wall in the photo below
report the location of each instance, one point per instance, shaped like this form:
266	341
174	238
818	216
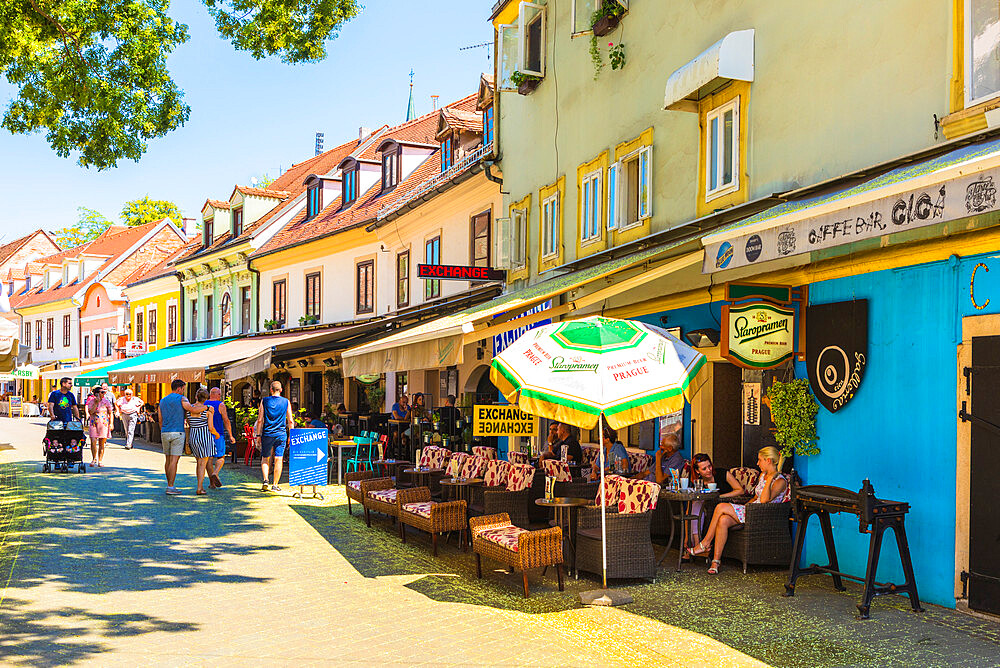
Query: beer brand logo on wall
837	350
724	256
758	335
753	248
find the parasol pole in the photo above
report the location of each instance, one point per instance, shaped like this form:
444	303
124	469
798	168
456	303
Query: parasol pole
604	506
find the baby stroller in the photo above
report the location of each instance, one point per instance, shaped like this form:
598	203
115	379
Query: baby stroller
63	446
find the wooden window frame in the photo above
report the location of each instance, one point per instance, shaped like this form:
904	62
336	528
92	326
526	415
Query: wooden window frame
66	330
550	225
719	114
171	323
194	319
403	281
432	287
237	221
97	344
391	173
140	325
247	325
316	278
50	332
209	316
208	227
314	200
350	185
367	266
592	219
279	307
86	346
472	238
109	349
151	326
447	153
38	335
488	125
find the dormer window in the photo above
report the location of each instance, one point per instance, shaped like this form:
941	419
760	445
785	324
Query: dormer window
350	184
390	168
237	221
488	125
314	199
206	232
447	153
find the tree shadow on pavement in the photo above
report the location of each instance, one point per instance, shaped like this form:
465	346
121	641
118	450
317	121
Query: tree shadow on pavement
115	530
53	637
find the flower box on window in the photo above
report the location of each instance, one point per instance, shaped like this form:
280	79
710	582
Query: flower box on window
606	24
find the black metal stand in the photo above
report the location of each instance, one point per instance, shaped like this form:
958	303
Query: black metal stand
872	588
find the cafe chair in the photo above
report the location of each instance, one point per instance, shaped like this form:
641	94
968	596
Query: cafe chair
352	485
418	510
494	479
494	537
514	497
765	538
630	505
361	460
251	444
484	451
378	495
515	457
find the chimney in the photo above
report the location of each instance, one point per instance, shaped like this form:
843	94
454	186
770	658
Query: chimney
363	132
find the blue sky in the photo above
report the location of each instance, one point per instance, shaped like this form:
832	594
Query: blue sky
252	117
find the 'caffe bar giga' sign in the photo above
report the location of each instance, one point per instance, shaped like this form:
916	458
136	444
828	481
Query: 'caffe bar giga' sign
503	421
758	335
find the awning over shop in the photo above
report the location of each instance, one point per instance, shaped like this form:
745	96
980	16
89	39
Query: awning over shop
72	371
256	355
440	342
953	185
729	58
101	375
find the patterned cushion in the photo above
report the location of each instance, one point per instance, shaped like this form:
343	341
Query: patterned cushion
496	473
354	484
613	482
506	537
589	455
433	457
520	477
637	496
515	457
421	508
474	467
484	451
639	462
384	495
746	476
455	464
557	469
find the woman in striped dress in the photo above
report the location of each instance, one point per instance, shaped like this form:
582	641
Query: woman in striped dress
202	437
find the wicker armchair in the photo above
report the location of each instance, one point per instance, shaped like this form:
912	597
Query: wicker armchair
381	503
630	551
765	539
417	510
353	487
493	536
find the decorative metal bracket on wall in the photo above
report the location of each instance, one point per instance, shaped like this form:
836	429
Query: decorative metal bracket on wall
966	416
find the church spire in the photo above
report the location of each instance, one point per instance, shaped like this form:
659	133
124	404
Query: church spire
410	111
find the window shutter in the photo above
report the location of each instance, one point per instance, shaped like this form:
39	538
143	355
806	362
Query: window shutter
526	13
510	43
504	243
645	182
613	171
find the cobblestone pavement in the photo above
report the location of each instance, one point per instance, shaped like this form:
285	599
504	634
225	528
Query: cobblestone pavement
104	568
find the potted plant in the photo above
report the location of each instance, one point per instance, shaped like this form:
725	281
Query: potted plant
525	82
308	320
793	412
606	18
375	394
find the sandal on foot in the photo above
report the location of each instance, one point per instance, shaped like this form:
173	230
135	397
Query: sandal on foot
699	550
201	492
714	569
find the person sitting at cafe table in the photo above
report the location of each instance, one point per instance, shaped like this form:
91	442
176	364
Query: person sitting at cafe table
548	449
449	415
419	408
569	440
401	409
615	456
668	456
704	472
771	488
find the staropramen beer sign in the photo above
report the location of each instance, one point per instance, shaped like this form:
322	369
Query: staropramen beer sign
758	335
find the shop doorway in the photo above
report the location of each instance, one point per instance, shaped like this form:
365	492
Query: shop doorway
314	393
984	523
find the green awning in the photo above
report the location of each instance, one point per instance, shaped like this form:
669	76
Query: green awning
98	376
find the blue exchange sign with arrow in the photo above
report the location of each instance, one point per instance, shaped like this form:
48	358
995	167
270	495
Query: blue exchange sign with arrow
307	457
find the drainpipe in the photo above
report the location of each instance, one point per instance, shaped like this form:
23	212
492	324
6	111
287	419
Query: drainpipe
489	174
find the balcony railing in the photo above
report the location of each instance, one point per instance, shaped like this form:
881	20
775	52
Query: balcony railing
436	180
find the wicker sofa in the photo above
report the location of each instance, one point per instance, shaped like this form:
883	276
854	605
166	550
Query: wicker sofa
494	537
418	510
352	485
630	505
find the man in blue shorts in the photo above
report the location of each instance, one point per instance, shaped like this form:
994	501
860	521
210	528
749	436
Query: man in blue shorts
274	419
225	430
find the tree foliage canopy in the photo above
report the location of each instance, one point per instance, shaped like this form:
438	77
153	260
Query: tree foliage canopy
92	74
91	224
145	210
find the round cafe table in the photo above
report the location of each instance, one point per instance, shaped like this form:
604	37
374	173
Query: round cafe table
565	519
389	467
461	488
685	498
422	475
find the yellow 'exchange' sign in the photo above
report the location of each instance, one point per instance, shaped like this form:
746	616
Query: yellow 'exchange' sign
503	421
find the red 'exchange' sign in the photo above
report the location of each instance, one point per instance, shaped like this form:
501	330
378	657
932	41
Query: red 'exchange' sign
449	271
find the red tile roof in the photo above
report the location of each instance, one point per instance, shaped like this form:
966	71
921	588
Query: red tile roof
9	249
110	243
262	192
365	209
217	204
459	119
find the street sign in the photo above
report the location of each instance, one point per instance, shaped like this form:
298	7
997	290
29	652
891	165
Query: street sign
459	273
307	457
135	348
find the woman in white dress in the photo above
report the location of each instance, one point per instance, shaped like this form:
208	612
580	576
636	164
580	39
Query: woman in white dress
772	487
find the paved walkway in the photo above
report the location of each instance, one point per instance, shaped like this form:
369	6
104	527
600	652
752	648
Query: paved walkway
104	568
